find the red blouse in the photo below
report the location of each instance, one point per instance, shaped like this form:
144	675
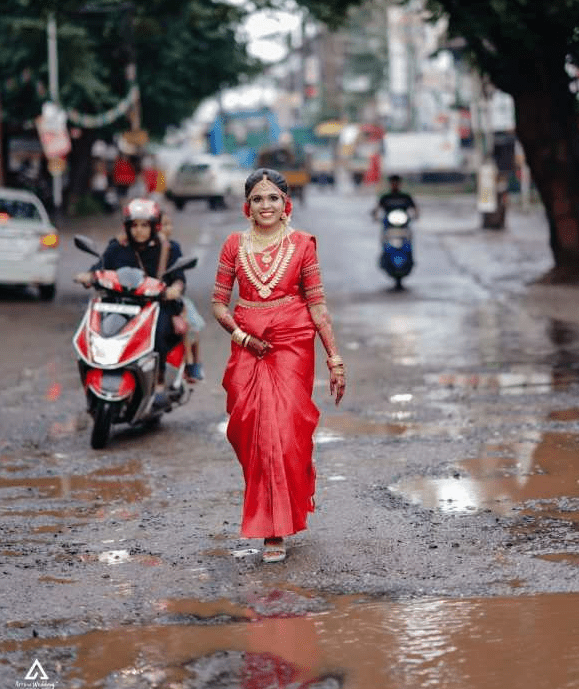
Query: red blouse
301	272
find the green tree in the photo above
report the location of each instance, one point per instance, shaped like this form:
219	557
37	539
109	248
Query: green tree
529	49
184	52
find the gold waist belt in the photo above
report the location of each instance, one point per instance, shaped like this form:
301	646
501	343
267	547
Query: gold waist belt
264	304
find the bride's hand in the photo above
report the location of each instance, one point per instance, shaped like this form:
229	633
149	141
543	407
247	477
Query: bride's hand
258	346
337	382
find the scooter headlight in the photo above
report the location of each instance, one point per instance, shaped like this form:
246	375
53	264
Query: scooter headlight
107	351
397	217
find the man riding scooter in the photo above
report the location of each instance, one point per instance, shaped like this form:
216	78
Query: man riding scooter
142	246
397	208
395	199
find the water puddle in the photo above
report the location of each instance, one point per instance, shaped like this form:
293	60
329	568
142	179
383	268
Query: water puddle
98	485
74	487
46	505
534	473
564	415
568	558
479	643
351	425
519	380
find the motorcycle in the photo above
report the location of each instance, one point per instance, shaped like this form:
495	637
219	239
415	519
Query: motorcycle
114	344
396	257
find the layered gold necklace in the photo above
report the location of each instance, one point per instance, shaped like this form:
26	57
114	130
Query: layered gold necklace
253	243
260	243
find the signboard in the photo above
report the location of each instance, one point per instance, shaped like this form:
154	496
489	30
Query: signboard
51	126
137	137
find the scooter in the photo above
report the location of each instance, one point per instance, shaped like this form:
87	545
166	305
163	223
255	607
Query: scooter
114	344
396	257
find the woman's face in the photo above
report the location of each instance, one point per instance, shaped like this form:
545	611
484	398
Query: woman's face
266	204
140	231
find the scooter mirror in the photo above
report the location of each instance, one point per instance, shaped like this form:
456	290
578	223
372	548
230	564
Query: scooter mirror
183	263
85	244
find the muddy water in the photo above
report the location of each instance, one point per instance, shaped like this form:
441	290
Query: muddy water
519	643
543	467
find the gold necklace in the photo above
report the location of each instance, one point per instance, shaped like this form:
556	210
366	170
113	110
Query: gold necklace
276	272
265	276
261	242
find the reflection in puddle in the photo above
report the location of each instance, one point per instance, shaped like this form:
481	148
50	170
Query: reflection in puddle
520	380
541	470
78	487
96	487
517	643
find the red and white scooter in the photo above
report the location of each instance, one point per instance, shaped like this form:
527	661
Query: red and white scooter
115	348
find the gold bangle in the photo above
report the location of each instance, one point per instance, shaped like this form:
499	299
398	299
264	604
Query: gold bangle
246	339
334	361
238	335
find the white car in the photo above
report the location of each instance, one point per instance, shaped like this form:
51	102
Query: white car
217	179
29	242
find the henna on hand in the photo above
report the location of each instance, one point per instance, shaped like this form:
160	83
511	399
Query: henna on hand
323	322
260	347
224	316
337	382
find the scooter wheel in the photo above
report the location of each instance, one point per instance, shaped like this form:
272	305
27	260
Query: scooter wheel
103	418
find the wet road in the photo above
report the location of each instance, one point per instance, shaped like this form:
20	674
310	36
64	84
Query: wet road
445	547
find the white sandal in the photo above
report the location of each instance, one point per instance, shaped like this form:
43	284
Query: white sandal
274	552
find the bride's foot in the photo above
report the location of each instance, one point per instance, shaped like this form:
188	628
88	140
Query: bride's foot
274	550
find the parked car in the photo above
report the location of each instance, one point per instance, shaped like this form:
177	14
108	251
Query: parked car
29	242
217	179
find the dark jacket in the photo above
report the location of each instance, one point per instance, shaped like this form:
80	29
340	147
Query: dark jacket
118	255
397	199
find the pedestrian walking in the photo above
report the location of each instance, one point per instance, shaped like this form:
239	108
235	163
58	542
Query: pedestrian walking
270	373
124	176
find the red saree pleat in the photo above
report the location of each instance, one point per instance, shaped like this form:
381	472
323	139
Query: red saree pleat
273	418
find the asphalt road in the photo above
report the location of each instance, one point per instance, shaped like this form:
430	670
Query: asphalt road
447	492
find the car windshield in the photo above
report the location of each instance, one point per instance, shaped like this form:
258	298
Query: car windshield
194	168
17	209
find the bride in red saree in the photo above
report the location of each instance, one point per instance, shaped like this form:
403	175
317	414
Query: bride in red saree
270	374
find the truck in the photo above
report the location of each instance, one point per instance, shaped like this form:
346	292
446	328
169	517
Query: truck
432	156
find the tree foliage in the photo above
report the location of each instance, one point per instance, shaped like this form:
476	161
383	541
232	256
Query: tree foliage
184	52
517	42
529	49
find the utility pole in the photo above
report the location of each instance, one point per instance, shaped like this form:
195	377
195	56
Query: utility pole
54	97
1	144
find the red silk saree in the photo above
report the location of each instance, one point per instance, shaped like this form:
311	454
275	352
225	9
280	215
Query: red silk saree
272	417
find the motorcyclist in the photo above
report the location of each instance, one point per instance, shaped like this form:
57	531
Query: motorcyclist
143	246
395	199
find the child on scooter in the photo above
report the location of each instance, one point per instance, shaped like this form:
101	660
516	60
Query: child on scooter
193	319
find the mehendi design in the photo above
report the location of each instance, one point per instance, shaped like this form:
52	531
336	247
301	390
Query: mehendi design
224	317
323	322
